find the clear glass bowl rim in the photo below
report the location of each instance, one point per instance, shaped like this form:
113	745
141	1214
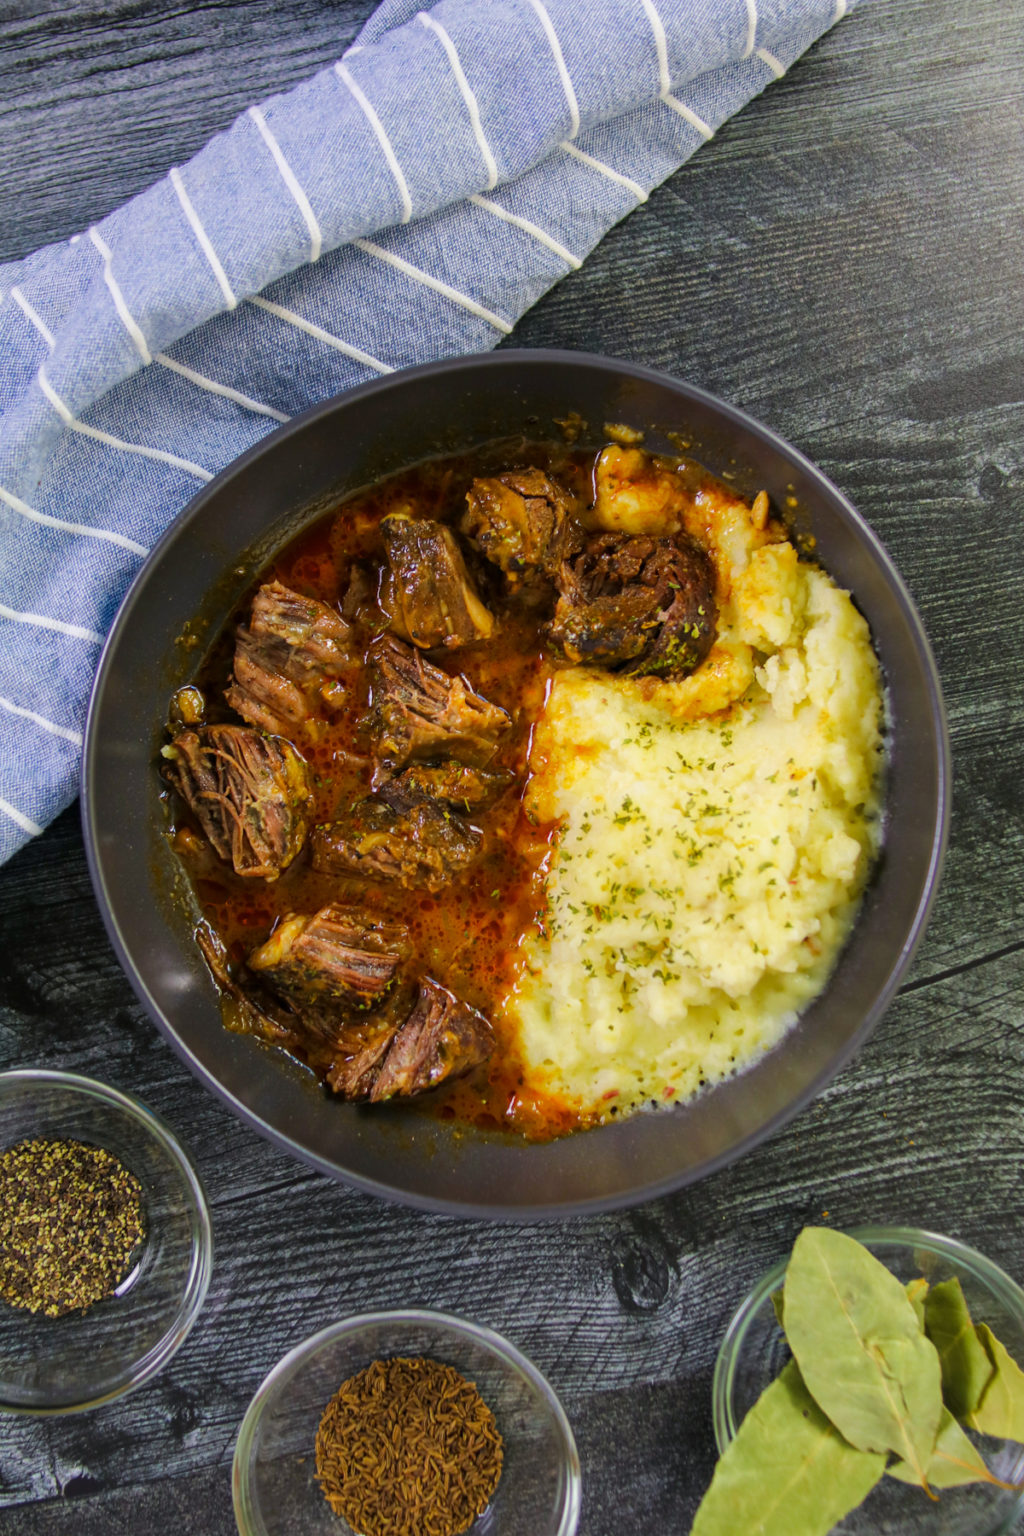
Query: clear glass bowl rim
155	1358
958	1253
250	1522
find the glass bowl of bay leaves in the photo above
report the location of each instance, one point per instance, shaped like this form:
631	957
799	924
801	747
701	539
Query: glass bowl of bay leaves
404	1423
826	1339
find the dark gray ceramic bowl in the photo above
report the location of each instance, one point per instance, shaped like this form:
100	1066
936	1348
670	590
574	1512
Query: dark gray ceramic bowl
201	567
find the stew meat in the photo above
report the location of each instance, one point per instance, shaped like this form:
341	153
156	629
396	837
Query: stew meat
358	845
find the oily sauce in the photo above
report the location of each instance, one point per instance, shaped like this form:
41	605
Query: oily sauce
467	935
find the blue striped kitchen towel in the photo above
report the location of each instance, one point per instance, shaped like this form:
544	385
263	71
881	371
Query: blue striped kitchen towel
409	203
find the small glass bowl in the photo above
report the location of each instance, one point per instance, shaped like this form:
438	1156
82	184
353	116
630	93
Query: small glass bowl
65	1364
274	1475
754	1351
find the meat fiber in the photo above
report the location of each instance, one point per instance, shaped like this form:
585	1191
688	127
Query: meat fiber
637	605
250	794
419	711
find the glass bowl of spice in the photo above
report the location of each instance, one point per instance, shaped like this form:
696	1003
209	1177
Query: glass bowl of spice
973	1313
105	1243
405	1423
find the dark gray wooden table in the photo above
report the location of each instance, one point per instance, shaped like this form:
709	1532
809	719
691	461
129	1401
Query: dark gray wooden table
846	261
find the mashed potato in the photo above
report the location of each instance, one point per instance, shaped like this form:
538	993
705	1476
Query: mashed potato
715	835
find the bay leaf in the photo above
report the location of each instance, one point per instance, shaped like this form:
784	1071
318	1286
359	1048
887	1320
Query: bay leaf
1001	1410
916	1291
788	1472
865	1361
778	1305
966	1367
955	1461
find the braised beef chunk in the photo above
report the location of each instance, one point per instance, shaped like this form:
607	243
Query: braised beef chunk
607	631
288	659
522	522
254	1012
316	639
250	794
353	1076
455	783
338	954
419	711
421	845
261	693
636	604
326	1030
427	592
441	1039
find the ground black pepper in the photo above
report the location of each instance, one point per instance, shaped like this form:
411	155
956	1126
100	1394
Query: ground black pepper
408	1447
70	1223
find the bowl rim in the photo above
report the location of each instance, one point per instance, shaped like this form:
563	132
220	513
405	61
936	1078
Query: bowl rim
510	358
247	1514
959	1253
201	1265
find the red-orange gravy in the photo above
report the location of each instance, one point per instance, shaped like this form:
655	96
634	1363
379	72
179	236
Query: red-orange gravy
468	935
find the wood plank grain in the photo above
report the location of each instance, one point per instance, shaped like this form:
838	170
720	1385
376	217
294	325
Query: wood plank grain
100	101
839	261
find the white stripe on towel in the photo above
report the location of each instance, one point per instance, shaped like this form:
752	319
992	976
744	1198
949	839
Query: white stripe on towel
381	135
777	69
47	725
213	387
661	47
665	79
563	73
203	238
748	46
22	507
310	329
69	420
24	822
463	299
291	181
200	379
689	116
210	385
40	621
468	96
130	326
606	170
34	318
529	228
